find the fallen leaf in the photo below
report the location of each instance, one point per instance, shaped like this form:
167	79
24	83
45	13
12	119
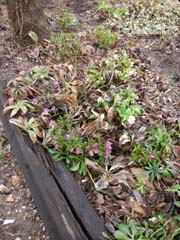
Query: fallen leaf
123	178
68	99
119	162
138	208
124	139
15	181
102	183
139	173
93	165
4	189
110	114
176	151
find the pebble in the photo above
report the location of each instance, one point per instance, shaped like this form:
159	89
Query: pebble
10	199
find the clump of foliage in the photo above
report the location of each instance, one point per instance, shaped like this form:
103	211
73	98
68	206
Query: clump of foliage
71	146
105	7
122	103
106	39
39	73
155	153
97	77
112	70
67	21
158	147
159	227
65	46
30	126
141	186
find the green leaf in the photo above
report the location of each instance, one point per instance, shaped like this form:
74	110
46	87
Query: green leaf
120	236
75	167
34	37
32	136
177	204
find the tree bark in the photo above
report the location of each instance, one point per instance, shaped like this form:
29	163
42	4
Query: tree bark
26	16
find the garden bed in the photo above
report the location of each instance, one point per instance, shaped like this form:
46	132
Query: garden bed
62	205
105	101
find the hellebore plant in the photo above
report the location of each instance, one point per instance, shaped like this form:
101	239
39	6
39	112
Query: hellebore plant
71	146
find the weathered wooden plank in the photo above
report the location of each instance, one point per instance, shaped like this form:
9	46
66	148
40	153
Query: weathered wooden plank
54	210
63	207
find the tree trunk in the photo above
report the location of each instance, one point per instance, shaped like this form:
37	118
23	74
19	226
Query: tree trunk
26	16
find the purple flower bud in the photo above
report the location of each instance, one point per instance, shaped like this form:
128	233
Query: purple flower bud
95	145
152	156
56	146
108	144
56	95
35	101
56	84
79	130
52	123
96	150
107	154
68	137
91	153
46	110
79	151
71	150
88	147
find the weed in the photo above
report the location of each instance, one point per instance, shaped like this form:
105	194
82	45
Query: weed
157	148
105	37
124	107
31	127
141	186
154	170
130	231
159	227
67	21
121	67
122	104
22	106
119	12
97	77
39	73
65	46
104	7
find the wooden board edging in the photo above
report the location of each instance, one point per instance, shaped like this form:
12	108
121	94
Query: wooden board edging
63	206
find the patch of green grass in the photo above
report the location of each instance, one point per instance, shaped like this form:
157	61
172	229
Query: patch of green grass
105	7
106	39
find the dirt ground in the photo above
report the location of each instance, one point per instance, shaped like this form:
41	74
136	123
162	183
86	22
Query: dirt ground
19	218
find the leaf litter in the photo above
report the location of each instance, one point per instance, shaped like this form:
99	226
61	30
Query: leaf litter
112	99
